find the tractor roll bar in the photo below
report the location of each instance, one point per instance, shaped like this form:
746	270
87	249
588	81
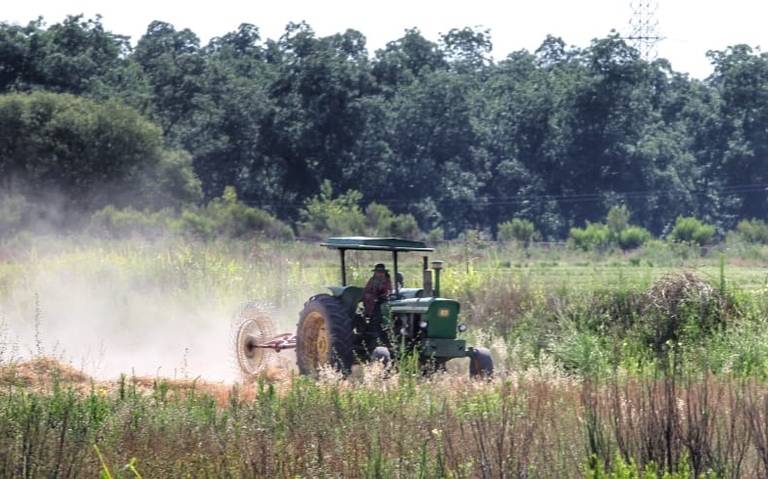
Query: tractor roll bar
394	267
343	267
394	245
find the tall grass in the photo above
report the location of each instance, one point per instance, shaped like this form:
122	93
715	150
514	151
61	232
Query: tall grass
514	426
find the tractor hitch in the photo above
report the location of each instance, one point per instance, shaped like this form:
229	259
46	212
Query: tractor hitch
277	343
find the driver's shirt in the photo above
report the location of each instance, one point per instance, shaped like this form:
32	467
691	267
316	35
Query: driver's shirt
376	288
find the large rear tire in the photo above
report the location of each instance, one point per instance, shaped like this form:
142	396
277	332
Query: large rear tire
324	336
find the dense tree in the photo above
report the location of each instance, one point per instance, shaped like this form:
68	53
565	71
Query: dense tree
434	129
73	56
406	59
741	79
175	68
318	112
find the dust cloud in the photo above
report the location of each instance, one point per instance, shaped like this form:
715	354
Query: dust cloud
108	323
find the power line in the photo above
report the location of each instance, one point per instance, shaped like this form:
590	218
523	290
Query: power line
730	191
727	190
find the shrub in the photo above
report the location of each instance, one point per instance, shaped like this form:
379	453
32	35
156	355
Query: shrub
195	224
117	223
520	230
692	230
325	214
381	221
435	235
170	182
753	231
633	237
405	226
615	232
595	236
222	217
235	219
581	351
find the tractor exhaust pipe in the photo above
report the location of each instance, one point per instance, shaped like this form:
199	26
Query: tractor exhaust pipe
437	266
427	279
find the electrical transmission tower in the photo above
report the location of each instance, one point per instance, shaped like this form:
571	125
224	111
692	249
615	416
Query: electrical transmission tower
643	27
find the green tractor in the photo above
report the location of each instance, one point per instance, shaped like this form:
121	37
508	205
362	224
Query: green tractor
334	331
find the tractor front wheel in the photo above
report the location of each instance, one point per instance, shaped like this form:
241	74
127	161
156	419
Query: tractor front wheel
381	355
324	336
481	364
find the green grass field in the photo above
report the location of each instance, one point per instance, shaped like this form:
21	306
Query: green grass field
603	370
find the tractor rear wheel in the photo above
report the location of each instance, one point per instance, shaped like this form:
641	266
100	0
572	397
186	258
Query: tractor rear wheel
481	364
325	336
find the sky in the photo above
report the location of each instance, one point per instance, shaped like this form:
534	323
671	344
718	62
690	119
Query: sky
690	27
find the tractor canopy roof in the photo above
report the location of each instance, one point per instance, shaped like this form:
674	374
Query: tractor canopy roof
380	244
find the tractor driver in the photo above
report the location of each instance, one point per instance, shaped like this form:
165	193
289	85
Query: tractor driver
378	288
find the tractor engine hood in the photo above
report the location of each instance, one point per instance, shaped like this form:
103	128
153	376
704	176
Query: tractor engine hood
441	315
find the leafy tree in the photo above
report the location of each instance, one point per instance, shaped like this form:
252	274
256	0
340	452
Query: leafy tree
317	116
228	141
404	60
174	66
90	152
432	134
326	214
617	219
436	130
467	49
75	56
739	136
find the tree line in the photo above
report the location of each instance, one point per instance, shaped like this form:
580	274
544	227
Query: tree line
435	131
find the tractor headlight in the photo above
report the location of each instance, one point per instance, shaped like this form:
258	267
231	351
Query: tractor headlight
423	324
462	328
